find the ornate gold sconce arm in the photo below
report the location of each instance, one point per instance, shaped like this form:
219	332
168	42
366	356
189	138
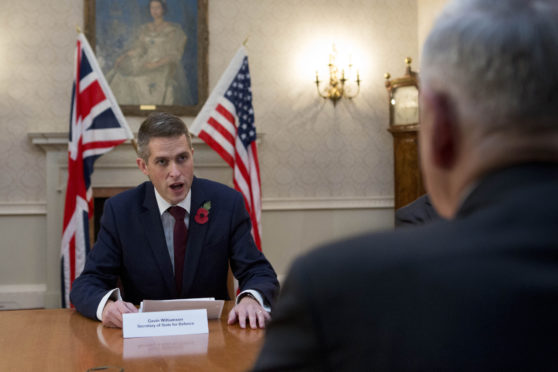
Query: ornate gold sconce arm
339	86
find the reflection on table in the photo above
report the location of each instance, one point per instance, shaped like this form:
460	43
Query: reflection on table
63	340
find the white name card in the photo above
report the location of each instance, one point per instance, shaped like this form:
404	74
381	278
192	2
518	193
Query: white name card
165	323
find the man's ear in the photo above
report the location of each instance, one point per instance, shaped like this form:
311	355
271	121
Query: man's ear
142	166
445	132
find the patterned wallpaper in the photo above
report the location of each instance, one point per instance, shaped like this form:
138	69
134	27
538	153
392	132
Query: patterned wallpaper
36	55
308	148
311	148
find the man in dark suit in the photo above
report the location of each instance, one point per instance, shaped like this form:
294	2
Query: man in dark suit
138	241
418	212
476	292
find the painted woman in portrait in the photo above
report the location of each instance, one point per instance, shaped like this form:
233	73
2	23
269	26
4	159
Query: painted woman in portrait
150	72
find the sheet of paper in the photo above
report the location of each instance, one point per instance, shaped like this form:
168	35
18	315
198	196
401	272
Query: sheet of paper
213	307
164	323
179	299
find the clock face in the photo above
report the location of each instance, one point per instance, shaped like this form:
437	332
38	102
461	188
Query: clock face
405	105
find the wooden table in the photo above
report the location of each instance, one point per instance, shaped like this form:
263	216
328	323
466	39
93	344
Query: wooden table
64	340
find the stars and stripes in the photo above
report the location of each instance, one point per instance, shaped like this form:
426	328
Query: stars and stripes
96	126
226	124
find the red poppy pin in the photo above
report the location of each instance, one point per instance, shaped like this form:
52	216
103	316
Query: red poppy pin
202	215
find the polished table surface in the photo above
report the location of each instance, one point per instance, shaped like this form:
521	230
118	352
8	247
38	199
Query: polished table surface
64	340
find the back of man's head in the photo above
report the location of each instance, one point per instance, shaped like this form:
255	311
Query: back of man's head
489	96
497	59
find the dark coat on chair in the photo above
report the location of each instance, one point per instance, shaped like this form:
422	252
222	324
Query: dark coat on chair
131	246
477	293
417	212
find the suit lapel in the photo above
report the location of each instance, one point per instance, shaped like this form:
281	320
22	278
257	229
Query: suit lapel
155	237
196	237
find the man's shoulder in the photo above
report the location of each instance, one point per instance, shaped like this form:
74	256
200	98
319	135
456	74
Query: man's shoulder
210	183
215	188
134	194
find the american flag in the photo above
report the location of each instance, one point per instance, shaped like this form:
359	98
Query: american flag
96	126
226	124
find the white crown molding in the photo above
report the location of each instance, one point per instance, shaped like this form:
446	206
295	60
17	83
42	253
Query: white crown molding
285	204
22	209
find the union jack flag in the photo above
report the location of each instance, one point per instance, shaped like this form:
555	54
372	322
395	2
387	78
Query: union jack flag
226	124
96	126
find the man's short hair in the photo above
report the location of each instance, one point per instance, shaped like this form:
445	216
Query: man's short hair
497	59
160	124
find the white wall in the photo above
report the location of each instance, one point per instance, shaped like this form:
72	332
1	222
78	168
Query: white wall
22	257
289	233
428	10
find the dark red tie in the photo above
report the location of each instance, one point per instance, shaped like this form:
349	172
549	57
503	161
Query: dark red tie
179	236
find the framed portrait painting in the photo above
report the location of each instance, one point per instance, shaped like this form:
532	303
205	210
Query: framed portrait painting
153	53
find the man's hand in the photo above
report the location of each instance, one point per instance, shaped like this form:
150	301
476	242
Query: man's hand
250	309
112	313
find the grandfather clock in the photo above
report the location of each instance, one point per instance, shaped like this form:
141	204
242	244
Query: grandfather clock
404	125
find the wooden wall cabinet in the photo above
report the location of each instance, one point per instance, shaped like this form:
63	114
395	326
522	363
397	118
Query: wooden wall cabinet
406	167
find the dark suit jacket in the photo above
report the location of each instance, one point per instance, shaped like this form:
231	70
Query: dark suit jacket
478	293
417	212
131	245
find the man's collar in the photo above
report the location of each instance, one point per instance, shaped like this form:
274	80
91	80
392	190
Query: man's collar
164	205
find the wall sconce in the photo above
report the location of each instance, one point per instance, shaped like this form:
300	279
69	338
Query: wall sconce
339	86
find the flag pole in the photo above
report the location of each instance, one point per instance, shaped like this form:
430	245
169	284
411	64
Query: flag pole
135	144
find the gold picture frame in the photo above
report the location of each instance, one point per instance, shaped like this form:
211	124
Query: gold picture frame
151	66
